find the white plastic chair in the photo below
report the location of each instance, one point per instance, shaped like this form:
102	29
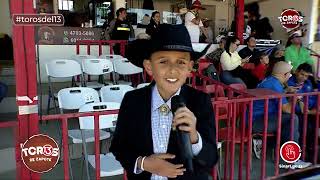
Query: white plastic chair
142	85
73	99
61	68
96	67
110	56
125	67
80	57
114	93
109	165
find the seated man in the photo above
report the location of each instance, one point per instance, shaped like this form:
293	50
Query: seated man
300	80
280	75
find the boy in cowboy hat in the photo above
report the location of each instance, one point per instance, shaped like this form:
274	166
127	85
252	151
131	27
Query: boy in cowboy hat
143	141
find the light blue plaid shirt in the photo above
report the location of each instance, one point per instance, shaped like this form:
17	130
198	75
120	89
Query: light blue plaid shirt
161	127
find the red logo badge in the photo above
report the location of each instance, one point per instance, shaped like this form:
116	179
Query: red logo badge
290	19
40	153
290	152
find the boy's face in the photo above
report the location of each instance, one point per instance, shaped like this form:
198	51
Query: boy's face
264	59
169	69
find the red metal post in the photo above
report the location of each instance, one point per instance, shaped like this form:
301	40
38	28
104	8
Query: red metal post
65	148
242	109
97	145
26	80
305	121
264	139
233	138
293	114
277	150
315	160
239	19
249	141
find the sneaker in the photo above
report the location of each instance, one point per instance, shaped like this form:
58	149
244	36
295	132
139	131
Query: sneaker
257	147
300	164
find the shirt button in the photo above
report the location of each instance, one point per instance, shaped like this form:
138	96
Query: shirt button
164	126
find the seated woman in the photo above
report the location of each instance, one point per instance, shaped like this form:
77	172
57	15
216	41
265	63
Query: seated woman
232	63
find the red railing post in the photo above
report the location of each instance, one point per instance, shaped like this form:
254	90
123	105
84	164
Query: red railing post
97	145
305	122
293	108
232	141
315	158
277	150
65	147
264	138
249	158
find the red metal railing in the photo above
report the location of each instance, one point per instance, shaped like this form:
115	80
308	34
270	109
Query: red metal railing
101	43
64	118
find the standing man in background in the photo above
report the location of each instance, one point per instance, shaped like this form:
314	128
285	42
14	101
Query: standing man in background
120	29
193	21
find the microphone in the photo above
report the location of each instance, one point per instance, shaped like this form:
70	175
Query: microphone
183	138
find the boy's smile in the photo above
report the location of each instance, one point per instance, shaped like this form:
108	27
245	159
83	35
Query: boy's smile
169	69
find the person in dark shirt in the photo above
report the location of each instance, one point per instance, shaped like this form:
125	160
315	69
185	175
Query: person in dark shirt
120	29
260	28
250	50
214	56
154	24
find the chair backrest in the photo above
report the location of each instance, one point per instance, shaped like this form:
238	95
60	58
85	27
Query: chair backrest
203	65
105	121
110	56
61	68
79	57
74	98
125	67
114	93
97	66
142	85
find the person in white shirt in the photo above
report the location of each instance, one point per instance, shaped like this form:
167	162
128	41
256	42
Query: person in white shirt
232	63
193	22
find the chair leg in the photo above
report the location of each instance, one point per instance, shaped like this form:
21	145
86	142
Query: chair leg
218	174
220	159
85	154
49	101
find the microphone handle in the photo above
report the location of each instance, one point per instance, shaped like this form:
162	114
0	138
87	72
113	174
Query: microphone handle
186	146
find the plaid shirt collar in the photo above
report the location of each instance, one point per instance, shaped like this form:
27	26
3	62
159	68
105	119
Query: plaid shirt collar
157	100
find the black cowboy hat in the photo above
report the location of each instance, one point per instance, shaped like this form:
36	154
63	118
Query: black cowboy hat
168	38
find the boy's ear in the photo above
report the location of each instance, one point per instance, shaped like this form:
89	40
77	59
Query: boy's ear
191	65
147	66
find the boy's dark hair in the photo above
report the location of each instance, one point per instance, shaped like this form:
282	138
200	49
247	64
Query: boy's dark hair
120	10
154	13
305	67
247	40
230	40
260	55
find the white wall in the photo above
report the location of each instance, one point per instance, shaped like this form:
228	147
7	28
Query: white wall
273	8
50	52
224	12
6	25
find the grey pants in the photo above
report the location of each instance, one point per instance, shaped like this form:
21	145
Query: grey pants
257	126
